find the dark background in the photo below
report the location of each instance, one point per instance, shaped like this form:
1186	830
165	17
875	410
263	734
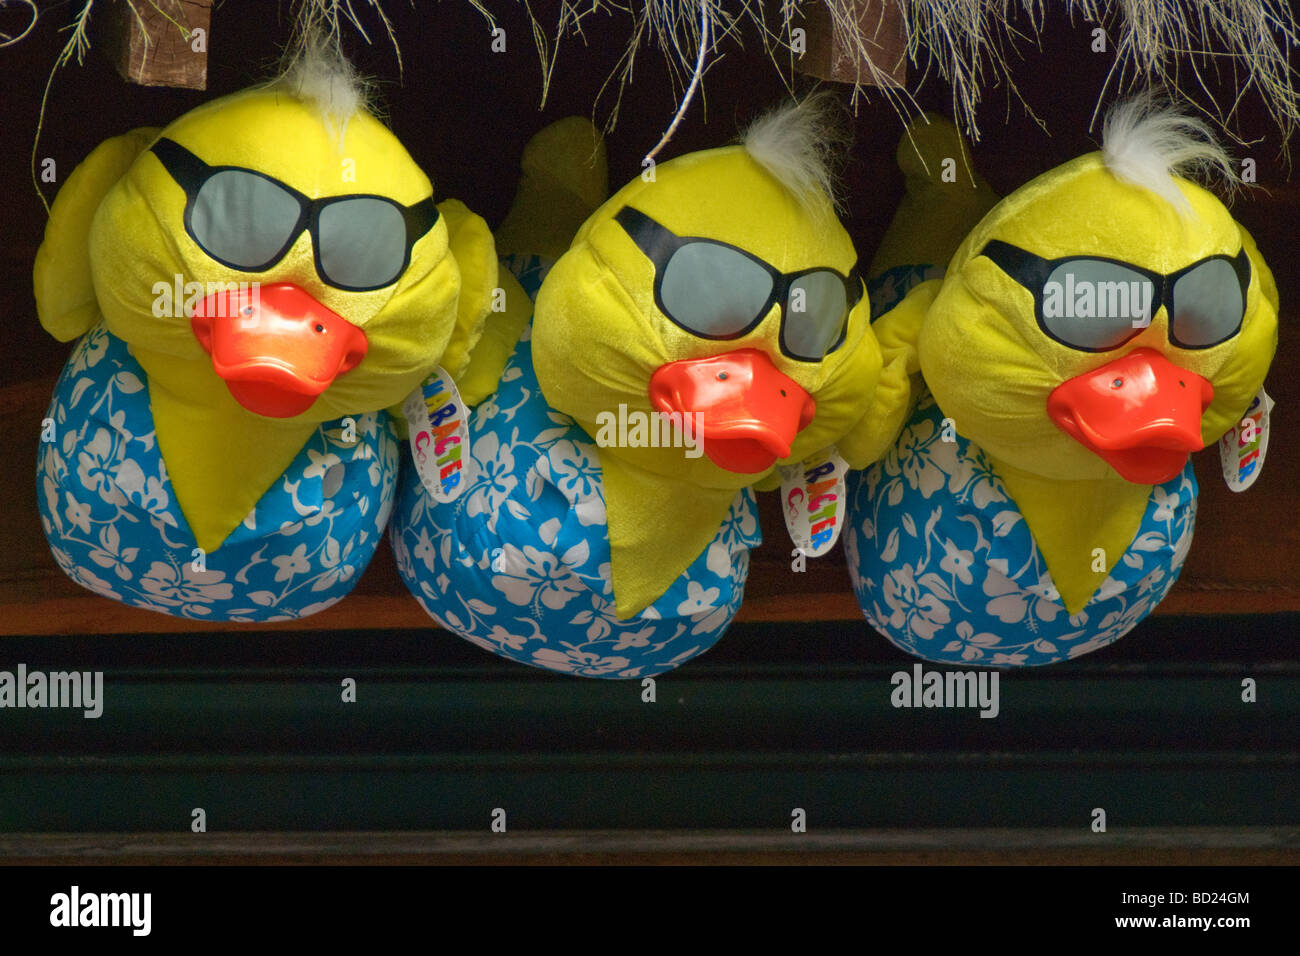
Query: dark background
792	712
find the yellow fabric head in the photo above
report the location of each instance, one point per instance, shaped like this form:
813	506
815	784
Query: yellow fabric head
221	456
599	335
991	368
138	240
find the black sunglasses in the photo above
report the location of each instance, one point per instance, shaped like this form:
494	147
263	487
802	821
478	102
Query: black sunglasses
247	220
715	290
1095	304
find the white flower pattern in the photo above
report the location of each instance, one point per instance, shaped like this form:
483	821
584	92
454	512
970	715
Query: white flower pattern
106	504
944	566
519	564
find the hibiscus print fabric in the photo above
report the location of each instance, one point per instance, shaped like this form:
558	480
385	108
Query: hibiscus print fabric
519	563
114	527
944	565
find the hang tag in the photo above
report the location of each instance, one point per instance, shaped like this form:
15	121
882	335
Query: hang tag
439	425
812	500
1243	446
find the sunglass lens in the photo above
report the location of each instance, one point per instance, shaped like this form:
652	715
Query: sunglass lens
242	219
1095	305
1208	305
814	316
362	242
712	290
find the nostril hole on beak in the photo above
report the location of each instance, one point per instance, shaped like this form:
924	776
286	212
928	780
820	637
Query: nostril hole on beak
722	376
246	310
783	393
1117	383
1182	384
319	327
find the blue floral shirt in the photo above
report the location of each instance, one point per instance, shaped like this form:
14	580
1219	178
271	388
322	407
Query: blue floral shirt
519	563
113	525
944	565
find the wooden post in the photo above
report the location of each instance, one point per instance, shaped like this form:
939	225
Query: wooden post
840	58
159	42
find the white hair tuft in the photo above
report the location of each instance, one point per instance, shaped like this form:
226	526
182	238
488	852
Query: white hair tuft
316	72
802	145
1148	141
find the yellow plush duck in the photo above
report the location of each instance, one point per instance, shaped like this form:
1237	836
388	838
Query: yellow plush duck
706	325
1095	328
251	286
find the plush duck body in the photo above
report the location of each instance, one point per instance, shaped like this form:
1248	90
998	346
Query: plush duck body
696	330
1040	499
519	563
216	446
110	513
944	565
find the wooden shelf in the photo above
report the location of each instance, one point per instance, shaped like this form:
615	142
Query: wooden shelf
1166	846
1245	557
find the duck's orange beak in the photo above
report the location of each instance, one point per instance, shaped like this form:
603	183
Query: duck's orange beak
748	411
276	347
1141	413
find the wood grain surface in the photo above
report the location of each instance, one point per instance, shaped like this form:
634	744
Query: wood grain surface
1169	846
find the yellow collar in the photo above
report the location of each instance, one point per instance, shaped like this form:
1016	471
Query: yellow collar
1081	527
